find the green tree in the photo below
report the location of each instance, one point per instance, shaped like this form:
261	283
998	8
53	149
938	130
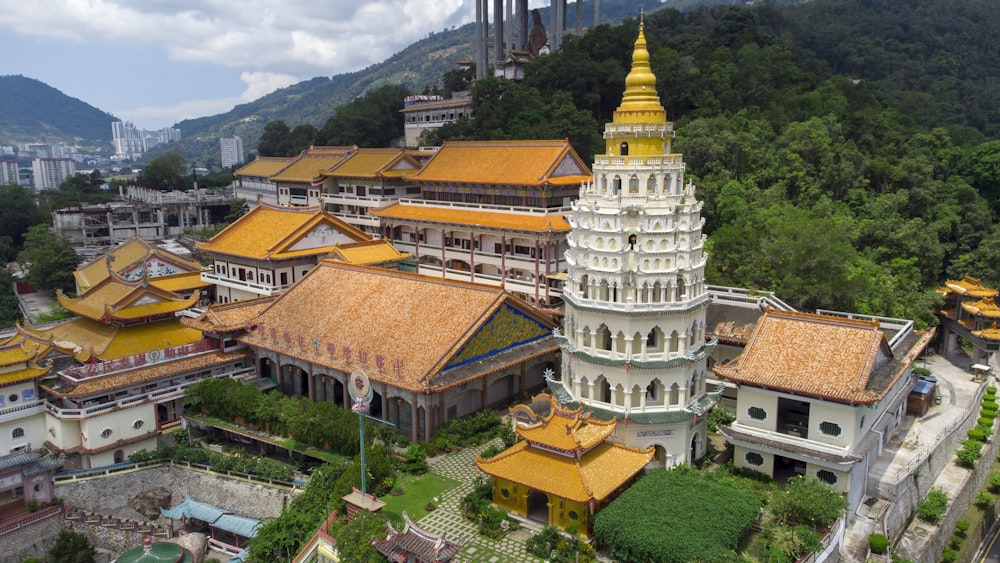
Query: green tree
373	120
9	310
71	547
18	211
49	259
237	209
809	502
274	141
165	173
355	540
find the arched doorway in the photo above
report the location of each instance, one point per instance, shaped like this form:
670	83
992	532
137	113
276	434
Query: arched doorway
264	368
694	449
119	456
538	506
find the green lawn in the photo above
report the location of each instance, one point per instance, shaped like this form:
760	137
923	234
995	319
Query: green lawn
418	490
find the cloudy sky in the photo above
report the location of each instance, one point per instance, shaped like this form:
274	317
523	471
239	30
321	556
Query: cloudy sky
156	62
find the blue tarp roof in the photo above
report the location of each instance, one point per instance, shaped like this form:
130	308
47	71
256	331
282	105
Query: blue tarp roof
214	516
923	387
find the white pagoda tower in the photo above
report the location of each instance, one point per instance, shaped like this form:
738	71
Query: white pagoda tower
634	346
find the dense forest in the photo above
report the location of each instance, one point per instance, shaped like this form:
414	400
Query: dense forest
32	111
847	150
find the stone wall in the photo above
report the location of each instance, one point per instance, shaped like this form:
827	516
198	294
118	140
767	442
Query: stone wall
110	494
34	540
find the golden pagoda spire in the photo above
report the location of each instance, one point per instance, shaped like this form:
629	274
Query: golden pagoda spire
640	84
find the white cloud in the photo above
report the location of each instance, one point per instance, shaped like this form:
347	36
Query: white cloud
260	84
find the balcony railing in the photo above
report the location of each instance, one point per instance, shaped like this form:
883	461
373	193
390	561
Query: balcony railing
252	287
22	410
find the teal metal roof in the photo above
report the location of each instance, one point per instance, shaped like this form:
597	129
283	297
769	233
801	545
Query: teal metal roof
214	516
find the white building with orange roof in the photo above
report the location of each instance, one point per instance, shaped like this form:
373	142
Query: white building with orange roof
433	349
492	212
298	183
821	395
427	113
252	181
366	179
22	410
270	248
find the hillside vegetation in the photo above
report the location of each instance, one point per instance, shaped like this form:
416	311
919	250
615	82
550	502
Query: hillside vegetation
33	111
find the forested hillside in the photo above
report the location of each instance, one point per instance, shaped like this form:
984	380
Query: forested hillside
846	150
32	111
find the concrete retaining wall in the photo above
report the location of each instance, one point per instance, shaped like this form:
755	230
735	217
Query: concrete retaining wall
111	494
34	540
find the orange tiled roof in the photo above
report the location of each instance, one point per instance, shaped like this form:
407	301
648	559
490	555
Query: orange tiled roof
32	371
600	472
149	373
270	232
264	166
990	333
970	286
567	430
229	317
368	252
413	325
985	307
373	163
518	163
311	163
178	283
530	222
812	355
114	298
124	258
89	340
19	350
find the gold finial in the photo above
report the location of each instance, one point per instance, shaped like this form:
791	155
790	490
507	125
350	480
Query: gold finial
640	84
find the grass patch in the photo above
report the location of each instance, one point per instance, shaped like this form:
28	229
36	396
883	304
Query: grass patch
418	490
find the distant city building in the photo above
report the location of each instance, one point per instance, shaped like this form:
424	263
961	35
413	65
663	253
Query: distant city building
129	142
44	150
8	172
232	151
50	172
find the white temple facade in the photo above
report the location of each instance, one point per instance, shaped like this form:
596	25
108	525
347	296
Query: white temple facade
634	346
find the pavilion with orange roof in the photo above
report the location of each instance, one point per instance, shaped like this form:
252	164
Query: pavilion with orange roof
136	259
252	182
267	250
564	470
492	212
970	313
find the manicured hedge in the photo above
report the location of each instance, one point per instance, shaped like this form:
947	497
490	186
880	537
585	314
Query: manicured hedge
676	516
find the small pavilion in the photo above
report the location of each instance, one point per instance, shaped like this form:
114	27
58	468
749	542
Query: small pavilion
563	470
226	529
413	544
970	312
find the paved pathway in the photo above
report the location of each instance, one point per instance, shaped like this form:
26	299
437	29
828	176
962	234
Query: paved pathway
461	466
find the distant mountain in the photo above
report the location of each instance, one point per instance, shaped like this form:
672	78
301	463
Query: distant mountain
421	63
34	111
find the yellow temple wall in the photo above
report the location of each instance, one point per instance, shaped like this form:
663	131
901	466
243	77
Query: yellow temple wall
564	512
515	499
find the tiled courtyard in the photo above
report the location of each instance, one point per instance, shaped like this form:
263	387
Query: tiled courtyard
447	518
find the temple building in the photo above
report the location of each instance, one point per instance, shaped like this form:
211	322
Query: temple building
366	179
492	212
970	313
298	184
136	259
433	349
413	544
821	395
252	182
634	346
565	470
270	248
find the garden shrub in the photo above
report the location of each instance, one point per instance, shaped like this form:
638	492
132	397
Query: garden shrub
478	500
878	543
984	422
990	405
932	507
994	481
976	434
720	417
664	516
988	413
956	541
949	556
962	526
969	454
809	501
991	389
416	460
983	500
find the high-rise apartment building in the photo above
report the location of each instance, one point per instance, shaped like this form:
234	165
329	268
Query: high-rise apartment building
128	140
232	151
50	172
8	172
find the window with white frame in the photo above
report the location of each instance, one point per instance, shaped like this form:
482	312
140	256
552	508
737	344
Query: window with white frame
17	433
830	428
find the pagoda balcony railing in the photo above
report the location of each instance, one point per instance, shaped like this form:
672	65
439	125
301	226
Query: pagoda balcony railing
97	369
510	260
508	283
22	410
157	395
252	287
360	200
640	129
636	307
632	161
746	298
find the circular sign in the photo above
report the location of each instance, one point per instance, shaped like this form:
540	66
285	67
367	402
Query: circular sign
359	387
